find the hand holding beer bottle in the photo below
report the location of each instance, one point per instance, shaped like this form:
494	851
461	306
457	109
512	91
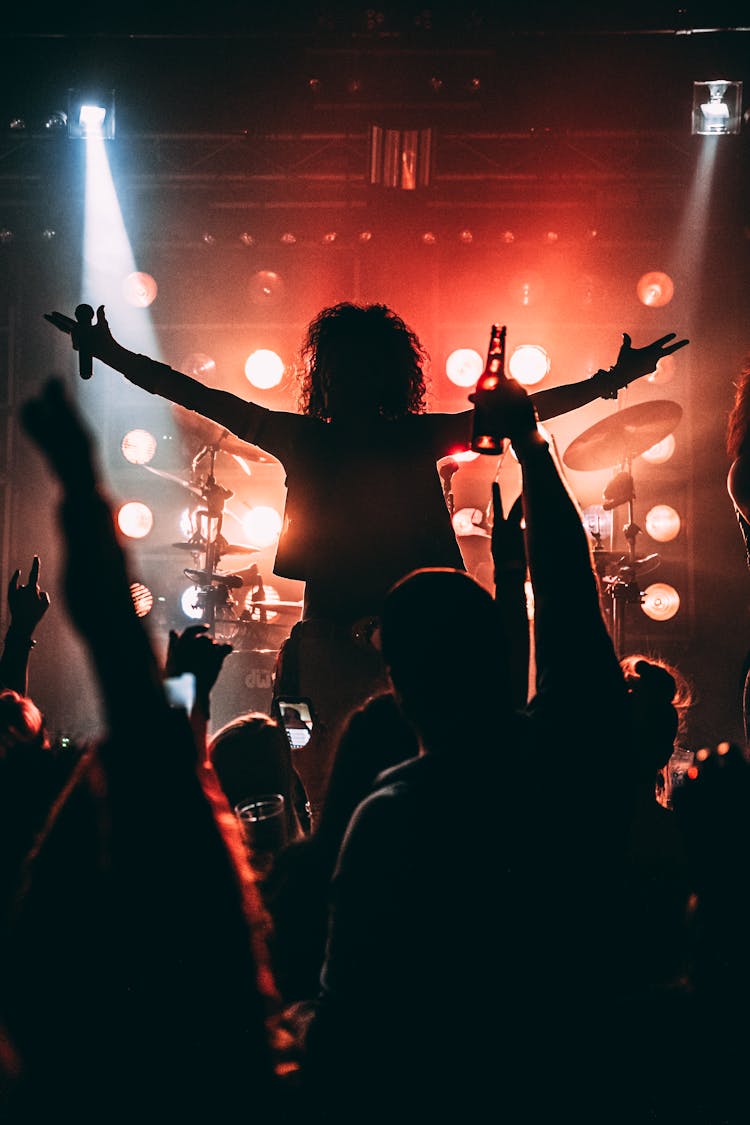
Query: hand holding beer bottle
503	409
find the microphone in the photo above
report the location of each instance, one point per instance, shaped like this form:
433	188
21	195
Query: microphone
84	316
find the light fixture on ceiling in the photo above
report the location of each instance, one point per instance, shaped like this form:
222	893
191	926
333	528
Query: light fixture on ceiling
401	158
717	107
91	114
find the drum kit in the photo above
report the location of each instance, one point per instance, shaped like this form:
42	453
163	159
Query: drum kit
256	624
614	443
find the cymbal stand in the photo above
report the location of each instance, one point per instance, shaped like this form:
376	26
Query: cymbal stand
215	594
623	588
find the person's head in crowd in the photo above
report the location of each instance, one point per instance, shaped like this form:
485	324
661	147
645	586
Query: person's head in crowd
251	756
659	698
361	361
21	724
442	644
376	737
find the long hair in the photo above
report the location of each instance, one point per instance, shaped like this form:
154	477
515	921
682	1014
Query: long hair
368	343
738	425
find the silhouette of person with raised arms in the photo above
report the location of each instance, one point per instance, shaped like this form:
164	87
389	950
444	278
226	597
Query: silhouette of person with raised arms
364	502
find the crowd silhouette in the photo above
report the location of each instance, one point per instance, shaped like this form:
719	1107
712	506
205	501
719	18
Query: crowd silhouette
494	911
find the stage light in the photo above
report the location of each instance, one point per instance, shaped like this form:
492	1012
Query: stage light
266	287
143	599
91	114
717	108
264	369
429	238
401	158
663	523
529	364
262	526
199	365
665	370
139	289
470	521
247	239
135	519
655	289
57	122
138	447
463	367
288	238
190	603
661	452
507	237
6	236
466	236
660	601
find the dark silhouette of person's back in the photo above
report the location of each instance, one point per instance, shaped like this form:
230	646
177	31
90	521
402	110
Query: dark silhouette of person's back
472	917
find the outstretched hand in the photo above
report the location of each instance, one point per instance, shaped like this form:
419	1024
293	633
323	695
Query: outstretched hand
92	338
27	604
508	412
633	363
195	651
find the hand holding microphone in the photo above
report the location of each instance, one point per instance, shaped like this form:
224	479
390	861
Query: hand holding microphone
79	329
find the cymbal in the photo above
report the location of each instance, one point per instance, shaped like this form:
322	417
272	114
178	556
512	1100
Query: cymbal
623	435
611	563
224	549
209	433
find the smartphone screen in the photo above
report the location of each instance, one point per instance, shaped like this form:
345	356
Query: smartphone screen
297	720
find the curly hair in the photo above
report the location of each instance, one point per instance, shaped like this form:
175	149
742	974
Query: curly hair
371	344
738	425
665	683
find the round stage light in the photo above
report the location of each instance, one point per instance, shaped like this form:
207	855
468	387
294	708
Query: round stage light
529	364
135	519
143	599
139	289
190	603
463	367
138	447
199	366
264	369
655	289
660	452
665	370
660	601
663	523
266	286
262	526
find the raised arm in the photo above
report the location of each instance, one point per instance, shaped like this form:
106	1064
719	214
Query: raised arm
269	429
97	583
632	363
27	606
